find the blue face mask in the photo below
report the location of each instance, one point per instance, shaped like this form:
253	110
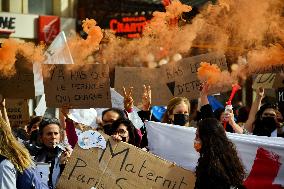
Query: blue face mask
181	119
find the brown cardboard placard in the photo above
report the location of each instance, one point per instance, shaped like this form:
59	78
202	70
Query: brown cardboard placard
183	74
172	79
85	86
21	84
137	77
122	166
18	112
268	81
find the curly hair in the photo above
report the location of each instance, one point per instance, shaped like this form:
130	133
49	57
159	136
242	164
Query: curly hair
219	165
46	121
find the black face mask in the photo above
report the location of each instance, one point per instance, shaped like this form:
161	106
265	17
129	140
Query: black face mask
123	139
266	127
181	119
108	129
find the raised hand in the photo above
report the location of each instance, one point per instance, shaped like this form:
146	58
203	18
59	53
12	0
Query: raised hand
2	101
260	92
146	98
204	88
65	110
128	99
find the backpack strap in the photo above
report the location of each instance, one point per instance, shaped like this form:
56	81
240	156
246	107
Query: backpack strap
2	158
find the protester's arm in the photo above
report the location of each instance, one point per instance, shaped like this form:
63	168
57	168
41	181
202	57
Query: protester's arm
204	88
128	100
206	109
71	132
3	111
145	113
254	108
235	126
70	128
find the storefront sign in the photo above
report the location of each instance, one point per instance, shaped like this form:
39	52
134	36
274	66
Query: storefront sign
130	26
48	28
19	25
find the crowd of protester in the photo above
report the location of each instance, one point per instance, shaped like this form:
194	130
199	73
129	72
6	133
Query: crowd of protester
48	141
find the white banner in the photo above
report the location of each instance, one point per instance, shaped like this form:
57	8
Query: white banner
263	157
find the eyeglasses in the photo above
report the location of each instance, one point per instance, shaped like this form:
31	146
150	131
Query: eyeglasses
120	132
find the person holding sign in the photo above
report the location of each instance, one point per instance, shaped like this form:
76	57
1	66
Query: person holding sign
219	166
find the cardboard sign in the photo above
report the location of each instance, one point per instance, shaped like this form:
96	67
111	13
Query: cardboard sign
18	112
137	77
270	69
84	86
268	81
181	77
173	79
122	166
21	84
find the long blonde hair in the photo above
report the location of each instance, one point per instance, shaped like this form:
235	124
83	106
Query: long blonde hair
12	149
171	106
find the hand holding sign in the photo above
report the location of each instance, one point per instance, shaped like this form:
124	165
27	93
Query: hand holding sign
65	110
146	98
64	158
204	88
128	99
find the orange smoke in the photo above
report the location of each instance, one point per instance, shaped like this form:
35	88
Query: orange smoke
265	58
213	75
8	56
10	48
160	39
242	25
80	48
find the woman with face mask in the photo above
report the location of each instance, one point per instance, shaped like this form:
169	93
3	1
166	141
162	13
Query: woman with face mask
219	166
177	112
266	122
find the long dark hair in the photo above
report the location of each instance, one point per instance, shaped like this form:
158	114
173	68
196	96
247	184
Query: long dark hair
219	165
134	138
34	120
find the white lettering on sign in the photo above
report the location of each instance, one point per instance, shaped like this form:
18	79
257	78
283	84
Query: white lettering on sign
281	96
